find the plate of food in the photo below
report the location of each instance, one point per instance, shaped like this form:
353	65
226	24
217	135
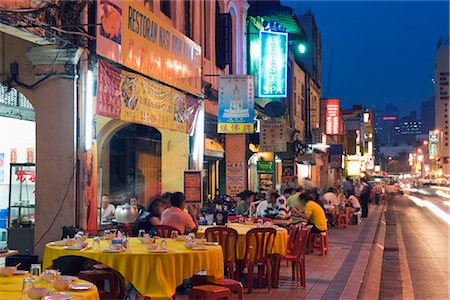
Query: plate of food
111	250
200	248
80	287
212	243
73	248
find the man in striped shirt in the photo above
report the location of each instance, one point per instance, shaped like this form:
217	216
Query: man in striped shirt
284	211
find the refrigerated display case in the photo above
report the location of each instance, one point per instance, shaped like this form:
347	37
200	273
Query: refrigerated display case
21	194
21	216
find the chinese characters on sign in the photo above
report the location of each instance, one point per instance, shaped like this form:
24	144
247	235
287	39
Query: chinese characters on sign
332	116
193	186
235	178
273	64
236	104
22	175
273	136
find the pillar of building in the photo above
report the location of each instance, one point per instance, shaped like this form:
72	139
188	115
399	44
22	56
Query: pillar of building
55	103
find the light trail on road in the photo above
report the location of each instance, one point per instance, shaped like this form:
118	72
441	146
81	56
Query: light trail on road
433	208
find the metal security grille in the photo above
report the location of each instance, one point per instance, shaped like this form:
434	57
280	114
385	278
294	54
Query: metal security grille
15	105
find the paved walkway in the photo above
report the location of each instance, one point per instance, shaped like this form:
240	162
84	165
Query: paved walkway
338	275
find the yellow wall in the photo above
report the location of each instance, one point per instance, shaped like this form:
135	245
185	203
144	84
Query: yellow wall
175	159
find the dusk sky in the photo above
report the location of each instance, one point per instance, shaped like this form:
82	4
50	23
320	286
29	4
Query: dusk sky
384	50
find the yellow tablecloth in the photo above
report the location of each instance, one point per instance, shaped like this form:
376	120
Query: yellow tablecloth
11	289
279	246
155	275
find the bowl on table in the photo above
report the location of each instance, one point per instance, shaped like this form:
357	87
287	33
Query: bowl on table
151	247
7	271
201	241
181	238
61	284
36	292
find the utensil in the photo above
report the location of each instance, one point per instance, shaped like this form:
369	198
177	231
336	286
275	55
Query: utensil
16	266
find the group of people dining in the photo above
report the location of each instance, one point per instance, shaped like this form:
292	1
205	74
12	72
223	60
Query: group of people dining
310	204
169	209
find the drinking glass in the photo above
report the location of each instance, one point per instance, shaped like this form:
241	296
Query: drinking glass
174	234
163	244
141	233
96	243
106	234
35	270
27	283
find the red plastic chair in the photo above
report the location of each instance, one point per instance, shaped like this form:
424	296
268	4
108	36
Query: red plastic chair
164	231
99	277
292	235
259	244
233	285
319	241
297	255
209	292
227	238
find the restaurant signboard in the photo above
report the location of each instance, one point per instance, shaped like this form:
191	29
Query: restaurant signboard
273	136
131	35
272	81
332	115
132	98
236	104
193	186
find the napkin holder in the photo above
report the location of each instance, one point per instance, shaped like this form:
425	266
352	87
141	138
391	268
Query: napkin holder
221	217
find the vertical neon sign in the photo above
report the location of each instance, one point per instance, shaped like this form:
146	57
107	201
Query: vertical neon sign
273	64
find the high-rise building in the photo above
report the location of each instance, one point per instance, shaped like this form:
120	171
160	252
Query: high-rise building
442	103
408	129
427	115
386	125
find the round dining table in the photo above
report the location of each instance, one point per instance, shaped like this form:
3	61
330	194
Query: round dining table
279	245
11	288
155	275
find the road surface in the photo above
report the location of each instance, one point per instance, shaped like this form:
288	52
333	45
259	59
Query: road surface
416	255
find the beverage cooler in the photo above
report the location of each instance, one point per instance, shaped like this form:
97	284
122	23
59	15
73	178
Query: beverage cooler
21	210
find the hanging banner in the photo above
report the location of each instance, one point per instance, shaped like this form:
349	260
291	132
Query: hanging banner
273	136
131	35
13	155
30	155
193	186
273	64
90	211
236	104
132	98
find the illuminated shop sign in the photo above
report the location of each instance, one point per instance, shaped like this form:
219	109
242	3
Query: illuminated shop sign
333	108
273	64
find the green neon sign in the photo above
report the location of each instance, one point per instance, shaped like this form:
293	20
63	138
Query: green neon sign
273	64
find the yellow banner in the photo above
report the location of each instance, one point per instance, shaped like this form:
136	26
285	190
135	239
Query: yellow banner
135	99
235	128
133	36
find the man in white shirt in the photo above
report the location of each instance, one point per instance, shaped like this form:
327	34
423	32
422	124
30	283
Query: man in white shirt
108	210
330	197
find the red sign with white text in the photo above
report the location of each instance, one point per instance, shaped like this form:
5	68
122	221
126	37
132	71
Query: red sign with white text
333	111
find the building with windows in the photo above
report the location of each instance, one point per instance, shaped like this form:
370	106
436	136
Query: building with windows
407	129
442	104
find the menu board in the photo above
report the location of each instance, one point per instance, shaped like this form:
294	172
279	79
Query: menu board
193	186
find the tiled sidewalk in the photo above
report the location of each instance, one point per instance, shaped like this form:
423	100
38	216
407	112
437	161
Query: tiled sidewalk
338	275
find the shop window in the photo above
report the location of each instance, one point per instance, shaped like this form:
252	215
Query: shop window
166	7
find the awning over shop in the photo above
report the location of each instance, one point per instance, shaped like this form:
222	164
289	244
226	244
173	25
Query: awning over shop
213	149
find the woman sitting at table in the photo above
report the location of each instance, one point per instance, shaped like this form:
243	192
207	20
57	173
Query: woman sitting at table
247	198
352	202
150	217
176	217
313	212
